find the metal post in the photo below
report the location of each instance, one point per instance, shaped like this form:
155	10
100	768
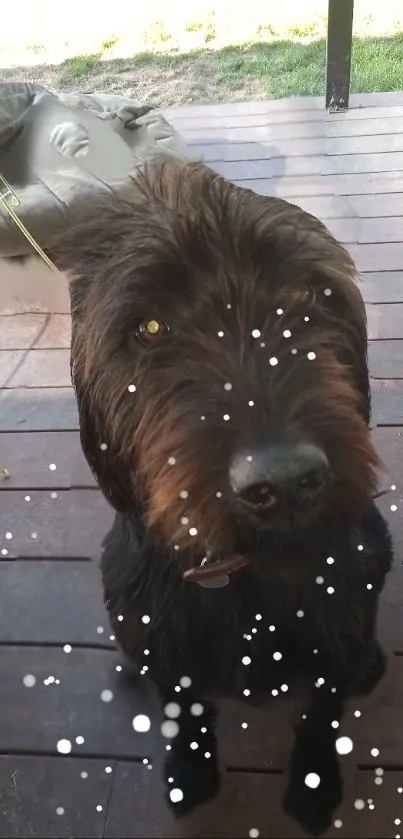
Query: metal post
338	53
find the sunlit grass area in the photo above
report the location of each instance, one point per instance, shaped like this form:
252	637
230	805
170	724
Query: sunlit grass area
180	52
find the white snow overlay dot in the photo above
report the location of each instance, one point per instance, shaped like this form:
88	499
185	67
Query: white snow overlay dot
141	723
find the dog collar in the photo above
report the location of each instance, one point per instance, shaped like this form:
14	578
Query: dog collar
215	573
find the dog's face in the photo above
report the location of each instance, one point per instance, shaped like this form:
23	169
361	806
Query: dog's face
219	359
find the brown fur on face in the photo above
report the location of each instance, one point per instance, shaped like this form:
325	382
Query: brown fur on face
219	265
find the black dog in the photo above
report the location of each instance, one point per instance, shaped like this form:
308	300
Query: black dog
219	360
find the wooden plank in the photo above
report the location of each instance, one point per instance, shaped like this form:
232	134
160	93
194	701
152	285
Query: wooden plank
19	332
54	524
287	105
390	618
53	603
373	206
45	459
359	163
265	131
380	230
389	445
380	725
362	145
379	819
386	359
217	117
54	798
365	127
382	286
247	801
212	147
42	368
225	116
387	402
394	517
326	206
38	409
377	257
345	230
332	184
274	165
385	320
9	363
57	333
367	113
267	165
34	719
225	151
366	230
366	100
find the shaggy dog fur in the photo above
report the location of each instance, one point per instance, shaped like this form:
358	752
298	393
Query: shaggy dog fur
210	321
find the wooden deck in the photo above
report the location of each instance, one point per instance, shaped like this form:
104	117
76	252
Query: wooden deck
58	662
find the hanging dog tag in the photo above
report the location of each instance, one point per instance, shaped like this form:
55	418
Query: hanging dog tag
214	582
210	574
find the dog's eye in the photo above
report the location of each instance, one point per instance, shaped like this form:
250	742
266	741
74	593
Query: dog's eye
152	330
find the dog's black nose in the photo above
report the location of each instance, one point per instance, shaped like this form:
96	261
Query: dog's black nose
292	475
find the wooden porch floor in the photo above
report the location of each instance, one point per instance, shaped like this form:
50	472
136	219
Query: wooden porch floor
61	678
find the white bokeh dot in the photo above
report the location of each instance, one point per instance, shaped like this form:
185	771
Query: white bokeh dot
312	780
344	745
141	723
169	728
106	695
63	746
172	710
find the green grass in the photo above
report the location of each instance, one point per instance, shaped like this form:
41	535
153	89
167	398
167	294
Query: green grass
273	69
207	51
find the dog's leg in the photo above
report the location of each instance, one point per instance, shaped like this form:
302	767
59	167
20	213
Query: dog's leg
191	763
315	784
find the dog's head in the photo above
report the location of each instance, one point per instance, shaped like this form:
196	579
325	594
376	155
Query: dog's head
219	359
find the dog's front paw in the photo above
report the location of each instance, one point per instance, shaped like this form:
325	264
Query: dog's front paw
315	788
190	779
